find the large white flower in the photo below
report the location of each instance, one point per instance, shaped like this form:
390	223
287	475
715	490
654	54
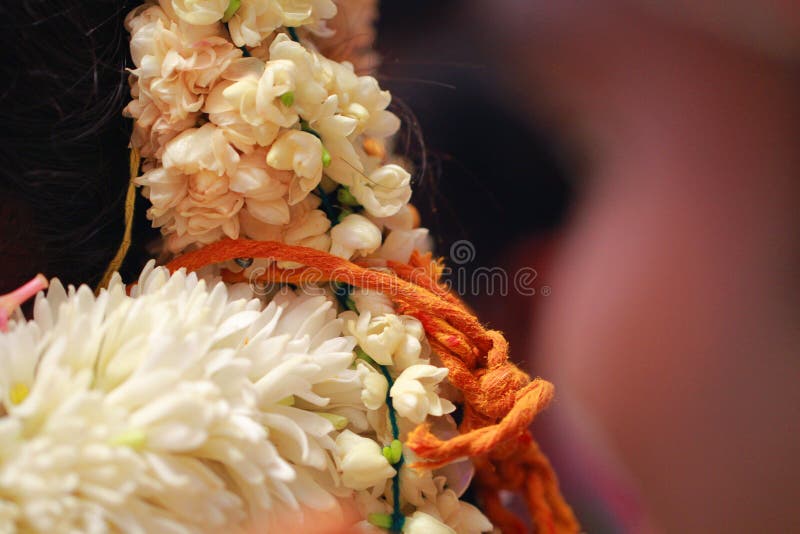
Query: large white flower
125	412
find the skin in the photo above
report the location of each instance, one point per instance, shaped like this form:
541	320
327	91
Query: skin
672	331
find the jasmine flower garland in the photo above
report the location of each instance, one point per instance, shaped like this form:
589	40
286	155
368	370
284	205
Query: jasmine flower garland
188	404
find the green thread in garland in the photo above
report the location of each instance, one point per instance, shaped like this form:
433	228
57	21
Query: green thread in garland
398	519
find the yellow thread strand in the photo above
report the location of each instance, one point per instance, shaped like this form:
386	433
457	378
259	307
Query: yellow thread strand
130	203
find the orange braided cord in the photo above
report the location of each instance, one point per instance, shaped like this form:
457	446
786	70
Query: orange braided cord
500	400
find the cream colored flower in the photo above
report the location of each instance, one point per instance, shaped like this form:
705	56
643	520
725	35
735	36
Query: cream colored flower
176	66
355	235
262	187
369	300
422	523
460	516
400	244
375	387
406	218
300	152
385	191
165	188
378	336
247	103
201	149
361	462
410	351
254	21
204	214
309	230
338	104
200	12
257	19
414	393
191	195
310	91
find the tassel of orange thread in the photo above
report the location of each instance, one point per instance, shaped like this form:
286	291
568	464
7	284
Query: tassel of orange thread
500	400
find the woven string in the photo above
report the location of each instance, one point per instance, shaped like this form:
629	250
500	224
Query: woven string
500	400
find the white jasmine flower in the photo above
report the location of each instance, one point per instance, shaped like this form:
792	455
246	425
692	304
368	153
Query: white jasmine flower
375	387
458	515
414	393
416	485
410	351
400	244
300	152
257	19
254	21
387	189
263	188
387	338
309	229
191	194
176	66
201	149
368	300
200	12
354	34
310	92
247	103
355	235
378	336
406	218
361	461
422	523
338	104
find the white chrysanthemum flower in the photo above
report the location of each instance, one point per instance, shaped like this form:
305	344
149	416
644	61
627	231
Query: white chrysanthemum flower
415	396
166	410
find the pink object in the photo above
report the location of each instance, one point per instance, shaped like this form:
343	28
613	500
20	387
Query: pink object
15	299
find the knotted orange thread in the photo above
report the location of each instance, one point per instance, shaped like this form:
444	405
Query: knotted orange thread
500	400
